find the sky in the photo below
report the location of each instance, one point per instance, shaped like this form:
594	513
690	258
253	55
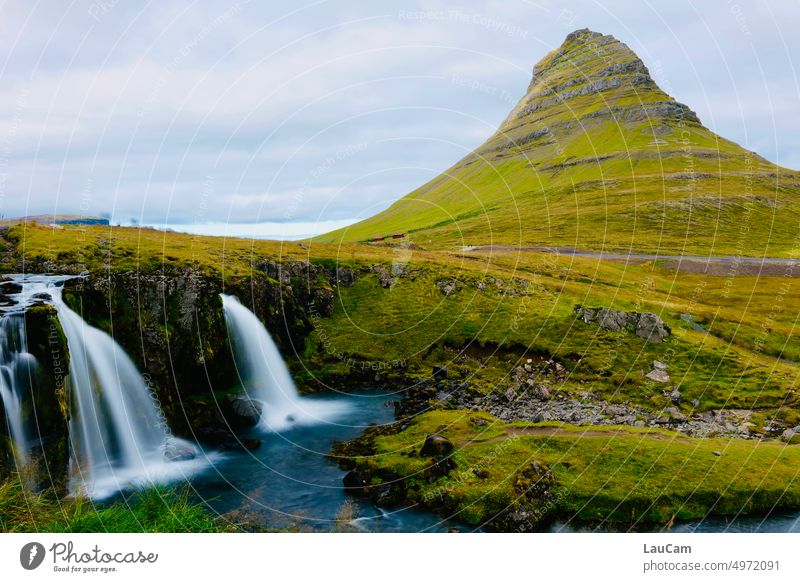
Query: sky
305	116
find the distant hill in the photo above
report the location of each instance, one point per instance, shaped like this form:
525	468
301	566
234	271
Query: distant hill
596	156
57	219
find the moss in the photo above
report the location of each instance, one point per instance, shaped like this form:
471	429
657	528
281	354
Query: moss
622	476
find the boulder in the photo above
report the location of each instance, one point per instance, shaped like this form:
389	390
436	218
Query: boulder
657	376
612	319
384	277
177	450
540	392
436	446
355	481
676	416
652	328
243	411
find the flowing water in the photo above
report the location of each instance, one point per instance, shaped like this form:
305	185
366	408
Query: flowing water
119	439
18	369
264	376
289	483
118	435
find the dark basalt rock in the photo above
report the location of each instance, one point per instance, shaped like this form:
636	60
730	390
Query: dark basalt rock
436	446
243	412
355	482
10	287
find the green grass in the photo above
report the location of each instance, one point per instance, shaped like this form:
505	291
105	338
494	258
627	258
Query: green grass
598	182
622	476
153	510
513	300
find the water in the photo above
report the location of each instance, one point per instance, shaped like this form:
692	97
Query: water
17	370
288	483
118	436
264	376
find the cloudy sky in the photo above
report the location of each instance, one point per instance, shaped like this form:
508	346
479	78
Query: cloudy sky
304	112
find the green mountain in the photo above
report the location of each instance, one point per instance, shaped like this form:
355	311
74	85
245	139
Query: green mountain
596	156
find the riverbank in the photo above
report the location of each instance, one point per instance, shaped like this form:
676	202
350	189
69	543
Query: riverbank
521	476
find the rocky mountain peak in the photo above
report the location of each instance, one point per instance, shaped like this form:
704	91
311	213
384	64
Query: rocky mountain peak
591	72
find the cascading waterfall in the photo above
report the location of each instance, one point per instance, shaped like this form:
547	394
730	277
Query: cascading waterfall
264	375
17	371
117	434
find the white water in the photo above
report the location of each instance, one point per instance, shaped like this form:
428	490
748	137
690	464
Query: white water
264	375
17	369
118	436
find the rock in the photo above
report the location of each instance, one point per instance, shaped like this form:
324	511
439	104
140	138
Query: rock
447	286
652	328
243	411
345	276
11	288
510	394
440	467
639	424
541	392
717	453
612	319
177	450
477	421
676	416
646	325
251	444
658	376
436	446
659	365
675	397
355	481
788	434
439	372
384	277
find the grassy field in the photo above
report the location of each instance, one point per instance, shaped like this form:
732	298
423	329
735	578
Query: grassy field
619	477
150	511
503	303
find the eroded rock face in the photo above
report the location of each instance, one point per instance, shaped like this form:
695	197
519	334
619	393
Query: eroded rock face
647	325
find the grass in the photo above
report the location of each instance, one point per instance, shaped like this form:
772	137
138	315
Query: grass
506	301
619	476
156	510
599	181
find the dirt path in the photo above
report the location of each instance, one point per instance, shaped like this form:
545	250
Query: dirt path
724	266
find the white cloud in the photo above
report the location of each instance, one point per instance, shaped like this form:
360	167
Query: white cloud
137	109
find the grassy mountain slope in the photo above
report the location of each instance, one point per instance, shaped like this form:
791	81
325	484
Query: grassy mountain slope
597	156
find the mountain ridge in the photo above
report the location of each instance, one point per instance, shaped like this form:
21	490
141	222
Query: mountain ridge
597	156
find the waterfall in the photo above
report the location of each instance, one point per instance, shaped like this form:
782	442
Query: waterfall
264	375
17	371
118	436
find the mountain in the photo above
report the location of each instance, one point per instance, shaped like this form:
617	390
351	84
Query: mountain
596	156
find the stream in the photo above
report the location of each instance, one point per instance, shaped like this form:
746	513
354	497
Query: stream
288	483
